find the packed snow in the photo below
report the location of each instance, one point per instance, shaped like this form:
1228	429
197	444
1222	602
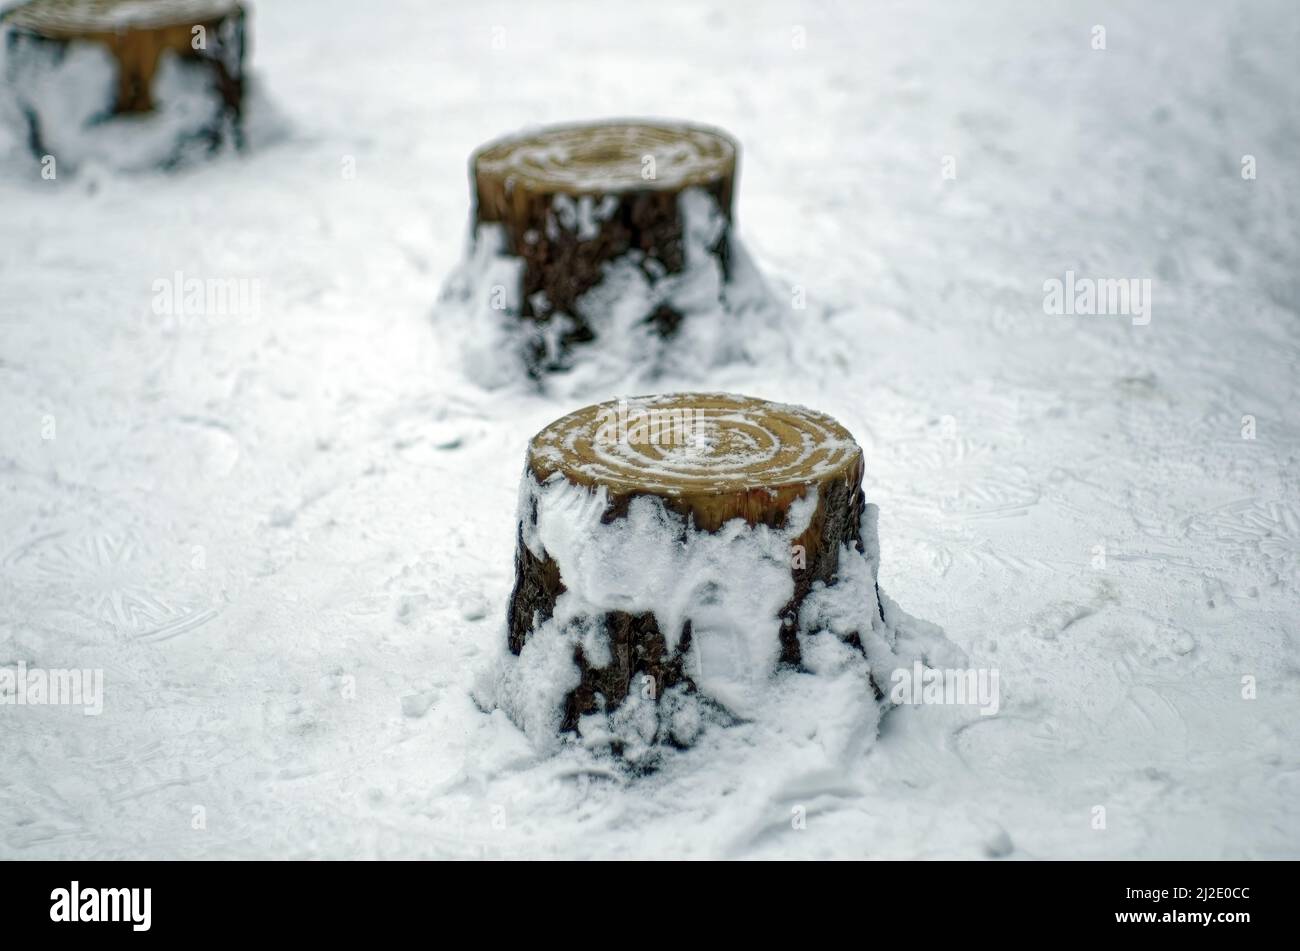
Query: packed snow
729	587
284	529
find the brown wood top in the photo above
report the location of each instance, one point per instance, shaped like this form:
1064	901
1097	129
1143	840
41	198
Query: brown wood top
697	446
70	18
604	157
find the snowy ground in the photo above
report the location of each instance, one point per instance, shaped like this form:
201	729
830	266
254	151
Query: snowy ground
287	539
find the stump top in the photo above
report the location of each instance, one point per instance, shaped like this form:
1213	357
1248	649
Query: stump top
696	445
610	157
66	18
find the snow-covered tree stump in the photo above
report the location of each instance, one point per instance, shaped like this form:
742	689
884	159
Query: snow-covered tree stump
573	200
673	544
74	63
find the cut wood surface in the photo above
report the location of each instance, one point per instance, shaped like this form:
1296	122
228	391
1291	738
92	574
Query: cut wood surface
603	158
71	18
573	199
709	458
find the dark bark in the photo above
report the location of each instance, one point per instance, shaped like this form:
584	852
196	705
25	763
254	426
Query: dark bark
136	51
560	265
637	645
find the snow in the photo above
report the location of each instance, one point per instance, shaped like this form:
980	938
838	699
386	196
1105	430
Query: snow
723	319
287	538
57	89
59	98
729	586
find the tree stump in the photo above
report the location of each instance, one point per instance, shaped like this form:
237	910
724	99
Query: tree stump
572	201
208	35
668	544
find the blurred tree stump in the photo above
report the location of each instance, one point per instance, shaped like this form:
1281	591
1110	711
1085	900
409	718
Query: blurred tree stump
573	199
136	33
708	458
